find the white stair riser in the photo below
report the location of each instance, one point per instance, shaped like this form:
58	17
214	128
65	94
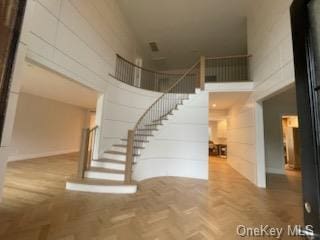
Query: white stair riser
105	176
114	156
119	149
137	144
124	150
108	165
121	189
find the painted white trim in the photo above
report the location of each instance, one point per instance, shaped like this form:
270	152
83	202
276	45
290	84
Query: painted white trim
114	156
260	147
40	155
104	175
98	147
121	189
230	87
275	171
108	165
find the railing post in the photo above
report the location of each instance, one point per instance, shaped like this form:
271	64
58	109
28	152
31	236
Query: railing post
202	72
130	153
83	152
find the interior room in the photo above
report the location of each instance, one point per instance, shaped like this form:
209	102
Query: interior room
51	113
221	129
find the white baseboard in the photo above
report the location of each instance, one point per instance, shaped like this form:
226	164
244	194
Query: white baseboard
275	171
40	155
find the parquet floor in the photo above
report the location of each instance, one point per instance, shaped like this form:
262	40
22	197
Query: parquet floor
165	208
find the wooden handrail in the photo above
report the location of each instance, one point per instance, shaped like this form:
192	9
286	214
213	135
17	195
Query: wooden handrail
145	69
167	91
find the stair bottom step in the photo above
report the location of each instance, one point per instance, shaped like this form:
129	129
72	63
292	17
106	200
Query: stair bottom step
100	186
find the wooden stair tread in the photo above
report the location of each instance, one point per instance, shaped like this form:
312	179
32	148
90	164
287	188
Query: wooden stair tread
116	152
125	139
154	124
105	170
92	181
144	135
107	160
125	146
147	129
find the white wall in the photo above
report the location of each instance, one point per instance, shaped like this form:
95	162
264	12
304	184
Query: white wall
273	109
270	43
80	38
123	106
44	127
180	147
241	139
271	69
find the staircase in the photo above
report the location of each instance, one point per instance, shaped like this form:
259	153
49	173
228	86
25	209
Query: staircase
112	173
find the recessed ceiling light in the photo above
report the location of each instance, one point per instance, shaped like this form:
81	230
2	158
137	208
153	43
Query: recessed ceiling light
214	105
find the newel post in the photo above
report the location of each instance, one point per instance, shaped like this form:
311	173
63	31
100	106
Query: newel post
130	156
83	152
202	72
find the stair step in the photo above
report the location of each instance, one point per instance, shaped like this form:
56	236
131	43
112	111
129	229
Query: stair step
105	173
160	119
100	186
144	135
154	124
108	160
105	170
147	129
126	140
125	146
108	164
119	153
115	152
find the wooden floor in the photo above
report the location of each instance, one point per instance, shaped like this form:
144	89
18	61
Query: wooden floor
36	207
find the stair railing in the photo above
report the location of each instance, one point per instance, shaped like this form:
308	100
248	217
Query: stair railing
88	139
174	95
140	77
227	69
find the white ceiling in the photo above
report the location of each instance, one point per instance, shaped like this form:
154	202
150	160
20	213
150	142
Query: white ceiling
45	83
186	29
225	100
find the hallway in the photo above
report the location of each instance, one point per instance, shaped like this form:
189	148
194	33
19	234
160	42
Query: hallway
164	208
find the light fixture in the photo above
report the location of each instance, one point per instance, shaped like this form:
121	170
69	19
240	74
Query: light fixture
214	105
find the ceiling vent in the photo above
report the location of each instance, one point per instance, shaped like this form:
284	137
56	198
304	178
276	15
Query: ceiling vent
154	46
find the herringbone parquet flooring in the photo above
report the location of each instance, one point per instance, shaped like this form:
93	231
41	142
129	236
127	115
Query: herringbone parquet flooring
164	208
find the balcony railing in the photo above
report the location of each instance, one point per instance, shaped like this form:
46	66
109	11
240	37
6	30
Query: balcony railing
134	75
215	69
227	69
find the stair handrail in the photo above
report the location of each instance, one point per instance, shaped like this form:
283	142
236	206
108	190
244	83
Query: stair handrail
166	92
146	69
132	132
140	77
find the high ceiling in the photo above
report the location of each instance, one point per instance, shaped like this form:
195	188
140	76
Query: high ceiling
186	29
45	83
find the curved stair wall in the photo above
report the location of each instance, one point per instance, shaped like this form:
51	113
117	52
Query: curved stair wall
180	146
123	105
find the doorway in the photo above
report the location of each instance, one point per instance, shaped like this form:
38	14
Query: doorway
291	143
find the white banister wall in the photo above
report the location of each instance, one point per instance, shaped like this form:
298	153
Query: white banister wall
123	106
180	147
